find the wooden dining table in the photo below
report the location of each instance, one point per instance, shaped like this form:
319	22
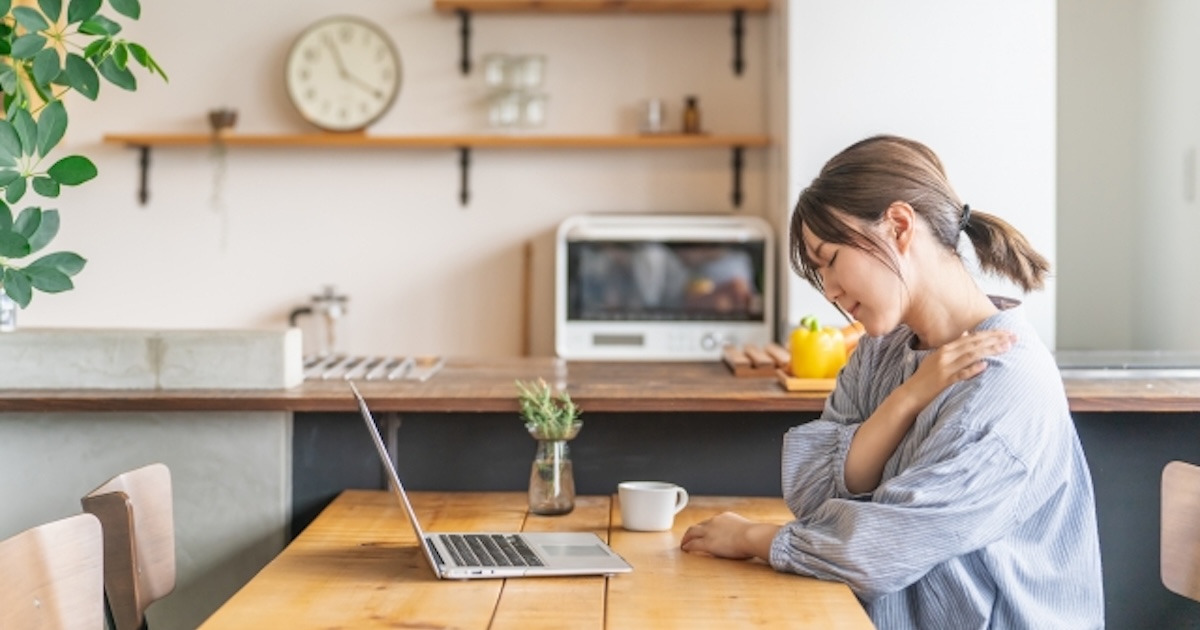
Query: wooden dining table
358	566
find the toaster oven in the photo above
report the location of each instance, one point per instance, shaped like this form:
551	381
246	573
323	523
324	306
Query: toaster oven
662	287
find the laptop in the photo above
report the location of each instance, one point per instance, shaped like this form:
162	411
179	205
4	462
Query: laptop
470	555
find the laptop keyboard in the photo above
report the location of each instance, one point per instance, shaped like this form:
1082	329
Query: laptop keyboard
490	550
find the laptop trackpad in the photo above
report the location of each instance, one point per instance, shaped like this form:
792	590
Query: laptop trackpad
573	551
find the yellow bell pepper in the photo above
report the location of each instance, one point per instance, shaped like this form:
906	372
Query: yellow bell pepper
817	352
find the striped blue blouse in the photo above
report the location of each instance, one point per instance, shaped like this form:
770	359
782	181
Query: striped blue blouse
985	516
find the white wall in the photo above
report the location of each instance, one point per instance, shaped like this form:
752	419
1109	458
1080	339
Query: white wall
1166	289
423	274
1128	215
974	81
1099	109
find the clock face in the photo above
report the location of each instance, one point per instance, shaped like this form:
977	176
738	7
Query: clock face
343	73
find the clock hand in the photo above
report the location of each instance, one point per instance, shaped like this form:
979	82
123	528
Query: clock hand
345	73
337	57
363	84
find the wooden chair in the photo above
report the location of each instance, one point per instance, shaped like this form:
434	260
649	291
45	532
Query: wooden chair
51	577
1181	529
139	541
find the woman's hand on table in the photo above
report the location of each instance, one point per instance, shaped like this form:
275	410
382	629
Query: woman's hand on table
730	535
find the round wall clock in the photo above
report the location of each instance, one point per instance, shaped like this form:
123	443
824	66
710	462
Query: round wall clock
343	73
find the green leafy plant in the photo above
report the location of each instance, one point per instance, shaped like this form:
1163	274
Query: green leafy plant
548	416
46	53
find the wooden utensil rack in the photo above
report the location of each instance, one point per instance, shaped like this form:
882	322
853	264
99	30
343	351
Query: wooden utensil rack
755	360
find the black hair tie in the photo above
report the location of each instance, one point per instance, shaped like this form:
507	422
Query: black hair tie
966	217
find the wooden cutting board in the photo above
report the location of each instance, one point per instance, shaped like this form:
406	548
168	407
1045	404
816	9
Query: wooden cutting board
796	384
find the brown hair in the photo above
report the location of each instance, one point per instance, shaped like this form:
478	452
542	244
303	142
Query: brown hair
869	176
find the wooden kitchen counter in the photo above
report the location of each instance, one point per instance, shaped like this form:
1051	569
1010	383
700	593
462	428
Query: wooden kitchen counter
486	385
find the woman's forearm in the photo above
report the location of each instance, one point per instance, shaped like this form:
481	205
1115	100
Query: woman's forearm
878	437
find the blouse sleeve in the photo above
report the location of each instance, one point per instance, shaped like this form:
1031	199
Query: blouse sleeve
814	453
959	496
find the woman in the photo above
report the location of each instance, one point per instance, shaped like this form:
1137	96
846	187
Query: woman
944	481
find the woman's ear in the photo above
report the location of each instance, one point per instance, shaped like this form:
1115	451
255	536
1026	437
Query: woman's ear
900	220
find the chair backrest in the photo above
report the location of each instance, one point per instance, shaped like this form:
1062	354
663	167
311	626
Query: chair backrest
1181	529
135	508
51	577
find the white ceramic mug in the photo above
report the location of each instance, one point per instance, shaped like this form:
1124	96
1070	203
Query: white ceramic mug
650	506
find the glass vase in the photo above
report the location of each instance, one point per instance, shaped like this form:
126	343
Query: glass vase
552	477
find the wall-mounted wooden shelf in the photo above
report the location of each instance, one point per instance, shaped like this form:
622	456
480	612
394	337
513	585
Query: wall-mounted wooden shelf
737	8
462	143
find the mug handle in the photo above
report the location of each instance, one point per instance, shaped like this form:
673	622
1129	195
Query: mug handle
681	499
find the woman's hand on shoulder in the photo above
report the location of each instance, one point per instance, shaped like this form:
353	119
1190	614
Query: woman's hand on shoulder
730	535
958	360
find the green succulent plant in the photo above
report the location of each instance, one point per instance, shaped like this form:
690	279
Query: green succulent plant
548	416
45	53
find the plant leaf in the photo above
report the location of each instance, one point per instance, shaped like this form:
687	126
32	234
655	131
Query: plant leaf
99	25
13	245
28	221
8	77
97	48
6	161
139	54
27	131
121	55
69	263
6	219
45	232
28	45
48	279
72	170
46	66
17	286
8	176
14	191
10	142
80	10
118	76
46	187
129	8
51	126
42	91
52	9
5	5
30	18
82	77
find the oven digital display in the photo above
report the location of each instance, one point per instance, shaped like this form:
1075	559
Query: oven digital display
665	281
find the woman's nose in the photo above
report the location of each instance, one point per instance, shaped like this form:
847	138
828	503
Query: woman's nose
831	288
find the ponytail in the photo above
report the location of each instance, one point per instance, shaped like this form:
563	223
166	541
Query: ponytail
1004	251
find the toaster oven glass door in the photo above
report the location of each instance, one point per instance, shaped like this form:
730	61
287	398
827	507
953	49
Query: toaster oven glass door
665	281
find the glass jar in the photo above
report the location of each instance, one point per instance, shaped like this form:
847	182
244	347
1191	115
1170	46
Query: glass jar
552	477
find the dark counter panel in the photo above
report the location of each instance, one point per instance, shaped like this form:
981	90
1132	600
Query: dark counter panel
1126	453
494	452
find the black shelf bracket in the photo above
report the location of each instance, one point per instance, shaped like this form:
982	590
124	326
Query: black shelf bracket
464	170
739	19
737	175
464	32
144	178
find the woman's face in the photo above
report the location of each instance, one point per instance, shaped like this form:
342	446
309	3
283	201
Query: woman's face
859	283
